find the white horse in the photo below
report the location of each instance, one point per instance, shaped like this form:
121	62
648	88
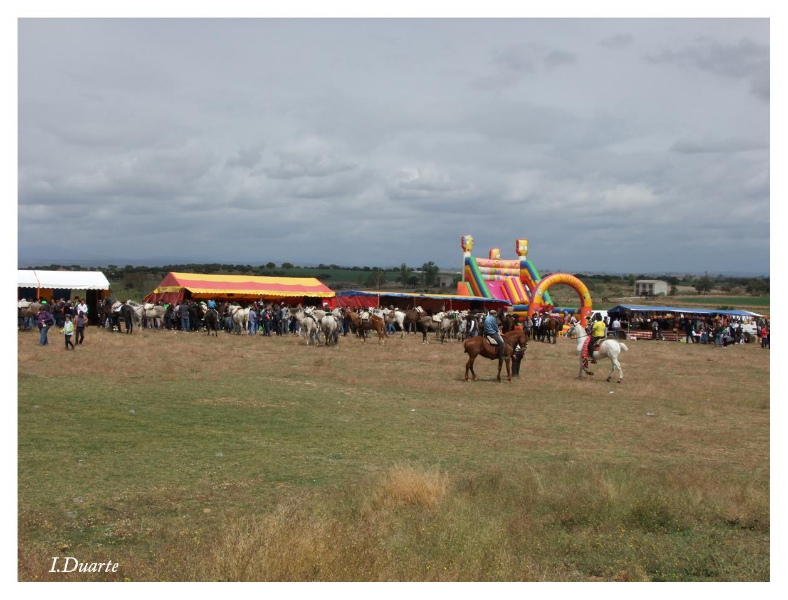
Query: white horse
450	324
329	325
608	348
240	317
320	314
151	312
397	317
308	323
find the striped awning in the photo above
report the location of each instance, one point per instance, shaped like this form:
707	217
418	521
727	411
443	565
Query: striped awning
243	286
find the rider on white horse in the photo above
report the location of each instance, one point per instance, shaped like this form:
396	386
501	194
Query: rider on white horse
597	333
608	348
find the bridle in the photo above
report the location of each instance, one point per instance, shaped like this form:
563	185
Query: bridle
578	337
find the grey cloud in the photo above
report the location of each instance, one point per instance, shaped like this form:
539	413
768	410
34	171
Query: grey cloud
618	41
357	140
513	62
745	60
291	167
712	146
247	157
521	58
557	58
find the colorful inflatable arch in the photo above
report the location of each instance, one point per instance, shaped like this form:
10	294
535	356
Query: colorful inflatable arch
538	303
516	280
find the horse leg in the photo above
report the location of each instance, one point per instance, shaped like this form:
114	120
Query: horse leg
582	368
509	368
469	365
617	365
500	365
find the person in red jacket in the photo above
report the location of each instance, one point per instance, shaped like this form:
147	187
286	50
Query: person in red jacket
764	337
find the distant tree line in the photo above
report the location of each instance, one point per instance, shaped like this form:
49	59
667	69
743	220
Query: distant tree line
426	276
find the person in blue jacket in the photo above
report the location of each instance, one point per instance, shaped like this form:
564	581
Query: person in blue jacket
491	329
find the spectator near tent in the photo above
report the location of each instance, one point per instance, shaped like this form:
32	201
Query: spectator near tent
683	324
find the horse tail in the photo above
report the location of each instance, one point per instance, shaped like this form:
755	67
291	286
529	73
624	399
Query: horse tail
624	346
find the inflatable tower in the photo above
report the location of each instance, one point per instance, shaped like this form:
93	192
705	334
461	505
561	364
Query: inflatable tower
516	280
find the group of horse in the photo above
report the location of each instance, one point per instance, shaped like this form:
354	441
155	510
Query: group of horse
118	314
315	323
516	341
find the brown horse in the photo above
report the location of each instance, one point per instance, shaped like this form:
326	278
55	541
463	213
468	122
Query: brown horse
479	345
411	320
509	323
374	322
551	328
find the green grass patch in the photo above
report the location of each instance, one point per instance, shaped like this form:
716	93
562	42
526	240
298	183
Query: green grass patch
183	457
721	300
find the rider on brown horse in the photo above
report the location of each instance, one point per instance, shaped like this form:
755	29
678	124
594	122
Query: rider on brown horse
491	330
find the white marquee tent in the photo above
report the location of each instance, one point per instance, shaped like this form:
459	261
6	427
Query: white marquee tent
62	280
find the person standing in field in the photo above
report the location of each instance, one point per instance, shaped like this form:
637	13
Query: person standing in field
472	329
616	327
252	319
690	331
45	321
183	313
81	323
718	333
68	331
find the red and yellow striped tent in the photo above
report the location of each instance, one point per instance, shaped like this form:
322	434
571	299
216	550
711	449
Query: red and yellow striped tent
177	286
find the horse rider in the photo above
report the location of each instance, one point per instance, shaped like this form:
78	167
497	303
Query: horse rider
597	333
491	329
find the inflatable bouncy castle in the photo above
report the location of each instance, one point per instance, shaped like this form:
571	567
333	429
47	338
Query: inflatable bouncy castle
517	281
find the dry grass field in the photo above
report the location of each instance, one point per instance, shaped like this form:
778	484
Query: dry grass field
183	457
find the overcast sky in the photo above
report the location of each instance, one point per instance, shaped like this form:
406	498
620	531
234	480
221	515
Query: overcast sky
613	145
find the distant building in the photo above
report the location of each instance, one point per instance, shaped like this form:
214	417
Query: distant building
446	281
651	287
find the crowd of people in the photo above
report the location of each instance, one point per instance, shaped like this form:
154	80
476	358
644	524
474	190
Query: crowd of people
275	318
70	315
720	331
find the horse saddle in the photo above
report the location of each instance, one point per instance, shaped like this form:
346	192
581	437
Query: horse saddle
364	316
491	340
436	319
